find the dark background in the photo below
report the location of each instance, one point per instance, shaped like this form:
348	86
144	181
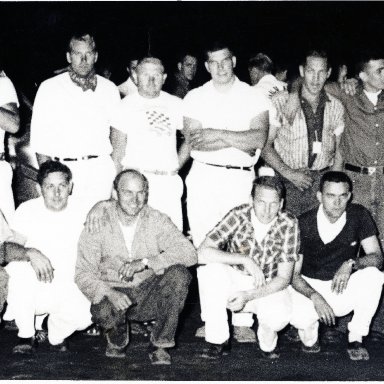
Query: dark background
34	35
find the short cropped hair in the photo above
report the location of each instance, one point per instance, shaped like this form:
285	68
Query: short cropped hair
261	61
82	36
365	57
131	172
335	177
181	57
51	166
216	46
320	54
152	60
271	182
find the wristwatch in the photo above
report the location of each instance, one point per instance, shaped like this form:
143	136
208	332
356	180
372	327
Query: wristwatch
145	262
351	263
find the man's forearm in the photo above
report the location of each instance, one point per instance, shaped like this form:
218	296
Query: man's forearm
14	252
301	286
270	155
42	158
9	120
213	255
275	285
245	140
370	260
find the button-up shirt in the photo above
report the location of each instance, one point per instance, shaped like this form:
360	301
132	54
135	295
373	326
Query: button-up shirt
362	143
235	234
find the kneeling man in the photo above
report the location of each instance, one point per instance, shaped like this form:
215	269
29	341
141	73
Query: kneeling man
48	226
249	259
134	268
331	279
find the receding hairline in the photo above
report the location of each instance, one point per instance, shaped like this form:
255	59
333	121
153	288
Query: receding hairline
150	60
87	38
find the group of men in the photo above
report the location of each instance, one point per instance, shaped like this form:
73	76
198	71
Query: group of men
254	255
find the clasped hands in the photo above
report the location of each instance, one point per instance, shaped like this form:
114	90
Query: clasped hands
128	269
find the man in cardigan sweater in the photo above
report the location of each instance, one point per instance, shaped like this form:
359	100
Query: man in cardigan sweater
134	268
331	279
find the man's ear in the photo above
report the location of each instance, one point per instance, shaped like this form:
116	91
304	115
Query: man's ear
363	76
207	66
281	204
179	66
96	56
319	195
234	61
301	70
68	55
71	187
329	72
164	77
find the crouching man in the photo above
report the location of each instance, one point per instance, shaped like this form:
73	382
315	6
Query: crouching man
46	232
134	268
249	257
331	279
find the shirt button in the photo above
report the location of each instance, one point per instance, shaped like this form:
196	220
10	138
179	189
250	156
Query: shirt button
374	108
377	125
377	143
375	162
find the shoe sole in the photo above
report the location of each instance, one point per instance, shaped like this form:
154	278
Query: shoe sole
115	355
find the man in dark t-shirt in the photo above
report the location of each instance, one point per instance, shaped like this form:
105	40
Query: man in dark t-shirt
331	279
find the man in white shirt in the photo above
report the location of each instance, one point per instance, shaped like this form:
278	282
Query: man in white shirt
9	122
71	122
148	121
226	126
129	86
49	225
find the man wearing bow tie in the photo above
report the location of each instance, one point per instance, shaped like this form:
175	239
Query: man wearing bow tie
71	122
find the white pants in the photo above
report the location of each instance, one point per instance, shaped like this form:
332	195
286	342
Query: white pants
217	282
165	195
67	307
361	296
7	204
92	180
211	193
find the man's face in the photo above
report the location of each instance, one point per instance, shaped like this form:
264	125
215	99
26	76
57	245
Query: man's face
55	190
266	204
373	76
335	197
150	78
131	195
255	75
188	67
220	65
82	57
315	74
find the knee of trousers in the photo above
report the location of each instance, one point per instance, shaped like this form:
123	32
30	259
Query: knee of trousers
213	272
371	277
178	277
105	314
275	318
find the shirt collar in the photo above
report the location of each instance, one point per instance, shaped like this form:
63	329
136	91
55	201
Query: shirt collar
323	97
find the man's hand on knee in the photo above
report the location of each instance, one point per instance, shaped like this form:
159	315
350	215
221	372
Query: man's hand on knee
41	265
119	300
237	301
323	309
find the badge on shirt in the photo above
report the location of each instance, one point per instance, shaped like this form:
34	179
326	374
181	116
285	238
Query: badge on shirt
316	147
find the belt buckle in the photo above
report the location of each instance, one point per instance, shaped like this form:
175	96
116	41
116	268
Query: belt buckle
371	170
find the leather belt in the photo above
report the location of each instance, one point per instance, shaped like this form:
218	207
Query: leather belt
2	156
230	167
363	170
162	173
75	159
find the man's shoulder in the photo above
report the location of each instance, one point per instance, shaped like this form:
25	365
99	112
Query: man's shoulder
288	217
358	211
334	101
308	216
105	83
56	80
35	203
167	97
199	91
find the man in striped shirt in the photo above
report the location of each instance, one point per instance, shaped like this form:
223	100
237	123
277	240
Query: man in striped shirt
301	149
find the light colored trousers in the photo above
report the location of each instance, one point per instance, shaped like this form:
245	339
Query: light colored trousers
67	307
217	282
361	296
7	204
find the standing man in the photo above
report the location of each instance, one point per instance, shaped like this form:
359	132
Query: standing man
9	122
147	122
226	125
303	148
49	228
180	84
71	122
249	257
135	269
332	279
129	86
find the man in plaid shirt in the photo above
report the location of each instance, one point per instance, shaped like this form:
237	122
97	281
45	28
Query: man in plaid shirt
249	258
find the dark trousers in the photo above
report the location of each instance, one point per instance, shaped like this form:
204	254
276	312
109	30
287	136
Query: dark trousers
160	298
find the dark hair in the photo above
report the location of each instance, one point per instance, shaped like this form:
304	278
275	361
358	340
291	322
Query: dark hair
82	36
262	62
320	54
271	182
51	166
131	172
184	54
365	57
216	46
335	177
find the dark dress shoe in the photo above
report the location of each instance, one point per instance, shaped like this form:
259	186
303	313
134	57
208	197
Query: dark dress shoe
62	347
273	355
215	351
25	346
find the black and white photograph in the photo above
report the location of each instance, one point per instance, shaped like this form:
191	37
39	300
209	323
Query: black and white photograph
192	191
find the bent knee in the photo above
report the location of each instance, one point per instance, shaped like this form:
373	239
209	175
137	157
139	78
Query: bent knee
371	275
178	274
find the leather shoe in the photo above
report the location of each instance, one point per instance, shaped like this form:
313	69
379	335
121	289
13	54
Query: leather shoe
272	355
159	356
357	352
315	348
61	347
215	351
25	346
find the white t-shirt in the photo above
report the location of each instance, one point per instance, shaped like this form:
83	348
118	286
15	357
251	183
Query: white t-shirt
5	231
129	235
68	122
128	87
373	96
232	110
268	85
55	234
260	228
327	230
150	126
7	95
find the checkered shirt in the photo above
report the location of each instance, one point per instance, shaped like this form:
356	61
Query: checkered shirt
235	234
